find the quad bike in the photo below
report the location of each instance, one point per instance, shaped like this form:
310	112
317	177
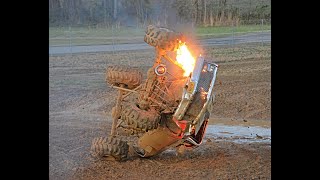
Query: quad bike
171	108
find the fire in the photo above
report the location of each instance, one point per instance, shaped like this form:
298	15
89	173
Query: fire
185	59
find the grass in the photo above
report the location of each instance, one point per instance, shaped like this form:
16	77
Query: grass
90	36
95	32
227	31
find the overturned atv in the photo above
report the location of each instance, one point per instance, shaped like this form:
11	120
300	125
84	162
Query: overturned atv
171	108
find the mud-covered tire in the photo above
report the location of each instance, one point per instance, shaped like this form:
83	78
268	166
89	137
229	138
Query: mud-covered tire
130	77
109	147
139	119
163	38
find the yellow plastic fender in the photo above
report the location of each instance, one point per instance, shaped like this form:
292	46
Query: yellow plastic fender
157	140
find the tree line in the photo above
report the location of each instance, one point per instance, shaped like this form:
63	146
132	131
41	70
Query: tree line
138	13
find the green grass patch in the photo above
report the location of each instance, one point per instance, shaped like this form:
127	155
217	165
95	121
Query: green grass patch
89	36
209	32
92	41
94	32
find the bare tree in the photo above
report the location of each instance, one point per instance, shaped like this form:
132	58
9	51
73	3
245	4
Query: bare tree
160	12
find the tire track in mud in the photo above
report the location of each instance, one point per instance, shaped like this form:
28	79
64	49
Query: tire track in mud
213	160
80	104
243	89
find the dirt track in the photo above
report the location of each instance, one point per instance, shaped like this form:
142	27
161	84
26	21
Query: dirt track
80	104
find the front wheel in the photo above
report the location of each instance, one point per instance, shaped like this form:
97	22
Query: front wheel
111	147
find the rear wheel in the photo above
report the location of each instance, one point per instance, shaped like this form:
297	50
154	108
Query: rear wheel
117	75
162	38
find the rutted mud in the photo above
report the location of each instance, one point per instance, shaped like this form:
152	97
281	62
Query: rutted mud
237	143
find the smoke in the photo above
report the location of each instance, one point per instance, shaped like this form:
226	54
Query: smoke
166	14
175	15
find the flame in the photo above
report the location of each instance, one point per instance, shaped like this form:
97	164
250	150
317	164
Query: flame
185	59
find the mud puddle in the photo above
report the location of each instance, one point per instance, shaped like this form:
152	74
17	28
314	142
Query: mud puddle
238	134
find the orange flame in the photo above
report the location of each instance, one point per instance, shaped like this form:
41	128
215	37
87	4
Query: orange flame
185	59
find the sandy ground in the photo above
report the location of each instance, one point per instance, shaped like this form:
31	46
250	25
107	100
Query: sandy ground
80	104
